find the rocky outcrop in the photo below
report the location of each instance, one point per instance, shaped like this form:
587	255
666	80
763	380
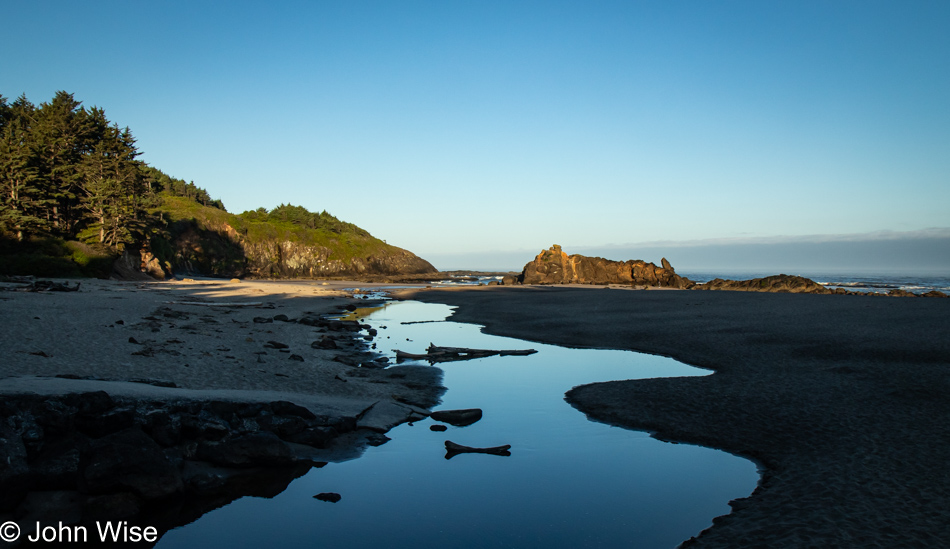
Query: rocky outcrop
137	265
217	249
84	456
287	259
554	266
777	283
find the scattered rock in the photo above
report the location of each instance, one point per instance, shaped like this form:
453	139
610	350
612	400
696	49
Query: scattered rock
331	497
438	428
325	342
276	345
458	418
263	320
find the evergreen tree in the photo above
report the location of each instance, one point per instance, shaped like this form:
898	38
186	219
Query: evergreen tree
62	134
21	194
112	184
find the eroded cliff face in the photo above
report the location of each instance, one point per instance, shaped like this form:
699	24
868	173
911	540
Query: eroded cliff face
223	251
554	266
286	259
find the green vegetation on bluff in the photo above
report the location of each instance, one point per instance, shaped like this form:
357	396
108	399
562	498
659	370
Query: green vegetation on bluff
74	196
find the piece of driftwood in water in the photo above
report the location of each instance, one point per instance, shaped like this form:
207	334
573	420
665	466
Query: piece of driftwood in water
452	354
218	304
452	449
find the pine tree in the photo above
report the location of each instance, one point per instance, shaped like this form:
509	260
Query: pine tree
21	193
112	184
62	130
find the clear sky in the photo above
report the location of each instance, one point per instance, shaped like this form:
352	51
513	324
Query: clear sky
452	127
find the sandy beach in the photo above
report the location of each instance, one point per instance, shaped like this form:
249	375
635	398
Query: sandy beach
841	400
159	401
183	332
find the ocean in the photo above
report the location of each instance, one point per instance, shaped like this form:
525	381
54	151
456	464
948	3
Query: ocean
864	282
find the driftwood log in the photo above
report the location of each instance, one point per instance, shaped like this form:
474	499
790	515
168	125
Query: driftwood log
451	354
220	304
452	449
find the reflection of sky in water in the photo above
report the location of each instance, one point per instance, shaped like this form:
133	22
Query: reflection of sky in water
569	482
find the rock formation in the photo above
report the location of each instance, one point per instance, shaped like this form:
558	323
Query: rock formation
553	266
215	248
775	283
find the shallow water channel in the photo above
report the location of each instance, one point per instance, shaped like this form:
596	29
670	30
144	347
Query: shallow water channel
569	482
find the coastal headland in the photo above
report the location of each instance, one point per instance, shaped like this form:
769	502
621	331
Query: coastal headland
842	400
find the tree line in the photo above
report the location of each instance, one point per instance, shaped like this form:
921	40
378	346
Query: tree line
67	171
298	215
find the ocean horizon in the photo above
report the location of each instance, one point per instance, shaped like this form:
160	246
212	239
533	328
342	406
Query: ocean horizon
857	280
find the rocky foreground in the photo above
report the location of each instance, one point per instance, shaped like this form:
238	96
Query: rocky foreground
158	402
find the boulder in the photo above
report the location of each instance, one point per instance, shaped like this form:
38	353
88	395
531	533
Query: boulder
128	461
14	474
458	418
250	450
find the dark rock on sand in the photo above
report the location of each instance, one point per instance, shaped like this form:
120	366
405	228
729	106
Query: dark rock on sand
128	461
106	423
554	266
331	497
777	283
14	474
438	428
250	450
325	342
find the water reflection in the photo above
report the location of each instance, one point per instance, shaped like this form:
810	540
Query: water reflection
568	482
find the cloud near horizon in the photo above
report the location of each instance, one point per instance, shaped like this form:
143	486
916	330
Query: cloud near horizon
884	235
910	252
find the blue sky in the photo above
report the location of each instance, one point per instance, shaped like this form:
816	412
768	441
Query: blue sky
450	128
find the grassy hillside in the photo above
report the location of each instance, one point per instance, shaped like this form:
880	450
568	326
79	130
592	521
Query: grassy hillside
287	241
256	226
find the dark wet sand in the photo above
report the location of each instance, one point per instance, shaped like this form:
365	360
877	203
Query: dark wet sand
844	401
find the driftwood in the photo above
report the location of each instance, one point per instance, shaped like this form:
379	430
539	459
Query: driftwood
452	449
220	304
42	285
451	354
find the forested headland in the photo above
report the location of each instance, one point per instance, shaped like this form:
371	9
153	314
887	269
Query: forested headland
74	197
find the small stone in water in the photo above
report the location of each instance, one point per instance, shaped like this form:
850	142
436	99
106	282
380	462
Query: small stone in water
332	497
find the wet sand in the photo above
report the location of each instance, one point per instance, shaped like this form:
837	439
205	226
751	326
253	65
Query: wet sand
843	401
